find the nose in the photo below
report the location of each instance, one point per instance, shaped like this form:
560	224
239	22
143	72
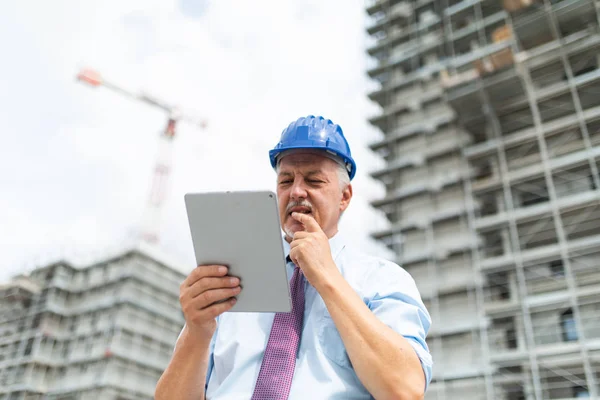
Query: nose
298	190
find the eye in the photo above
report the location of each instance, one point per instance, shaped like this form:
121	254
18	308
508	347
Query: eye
285	182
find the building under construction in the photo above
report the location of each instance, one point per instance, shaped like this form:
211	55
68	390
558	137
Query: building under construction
105	331
491	137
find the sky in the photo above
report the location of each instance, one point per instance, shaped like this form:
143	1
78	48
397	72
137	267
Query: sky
76	162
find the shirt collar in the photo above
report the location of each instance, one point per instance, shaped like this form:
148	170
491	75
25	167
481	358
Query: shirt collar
336	244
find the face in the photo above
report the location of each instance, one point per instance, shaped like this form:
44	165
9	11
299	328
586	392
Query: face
309	183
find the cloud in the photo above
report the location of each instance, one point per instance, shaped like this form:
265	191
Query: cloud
77	161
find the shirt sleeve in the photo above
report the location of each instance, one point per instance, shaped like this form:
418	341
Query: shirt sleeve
395	300
211	360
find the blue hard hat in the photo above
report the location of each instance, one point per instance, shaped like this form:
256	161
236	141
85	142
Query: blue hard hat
315	133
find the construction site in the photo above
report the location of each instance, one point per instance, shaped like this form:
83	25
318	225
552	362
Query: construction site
490	131
490	121
99	331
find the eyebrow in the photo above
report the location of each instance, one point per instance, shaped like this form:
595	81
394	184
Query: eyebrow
309	173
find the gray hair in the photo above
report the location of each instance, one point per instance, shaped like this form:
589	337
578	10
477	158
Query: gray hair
343	176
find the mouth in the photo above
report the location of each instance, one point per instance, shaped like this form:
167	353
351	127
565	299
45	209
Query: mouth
300	209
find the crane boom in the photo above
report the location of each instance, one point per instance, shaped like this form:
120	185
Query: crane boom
93	78
150	225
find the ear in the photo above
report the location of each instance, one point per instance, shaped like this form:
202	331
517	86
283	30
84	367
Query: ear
346	197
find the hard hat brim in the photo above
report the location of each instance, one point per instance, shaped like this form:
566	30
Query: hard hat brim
347	163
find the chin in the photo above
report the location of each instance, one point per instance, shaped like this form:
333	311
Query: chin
290	230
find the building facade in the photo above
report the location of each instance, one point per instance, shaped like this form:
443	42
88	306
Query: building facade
104	332
490	121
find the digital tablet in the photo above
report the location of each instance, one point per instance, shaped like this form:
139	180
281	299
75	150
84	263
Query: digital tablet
241	229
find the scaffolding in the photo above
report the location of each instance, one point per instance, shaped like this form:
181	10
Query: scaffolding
101	331
490	114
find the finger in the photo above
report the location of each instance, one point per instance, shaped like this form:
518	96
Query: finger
300	235
202	271
208	297
294	256
309	222
294	244
208	283
215	310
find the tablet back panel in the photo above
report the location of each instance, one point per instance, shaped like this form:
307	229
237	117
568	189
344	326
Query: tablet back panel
242	230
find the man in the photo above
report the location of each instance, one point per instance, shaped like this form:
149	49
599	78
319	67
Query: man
357	328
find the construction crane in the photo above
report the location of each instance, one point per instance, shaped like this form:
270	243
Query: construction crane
150	226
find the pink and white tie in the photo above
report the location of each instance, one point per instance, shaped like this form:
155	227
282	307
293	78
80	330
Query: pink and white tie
279	361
